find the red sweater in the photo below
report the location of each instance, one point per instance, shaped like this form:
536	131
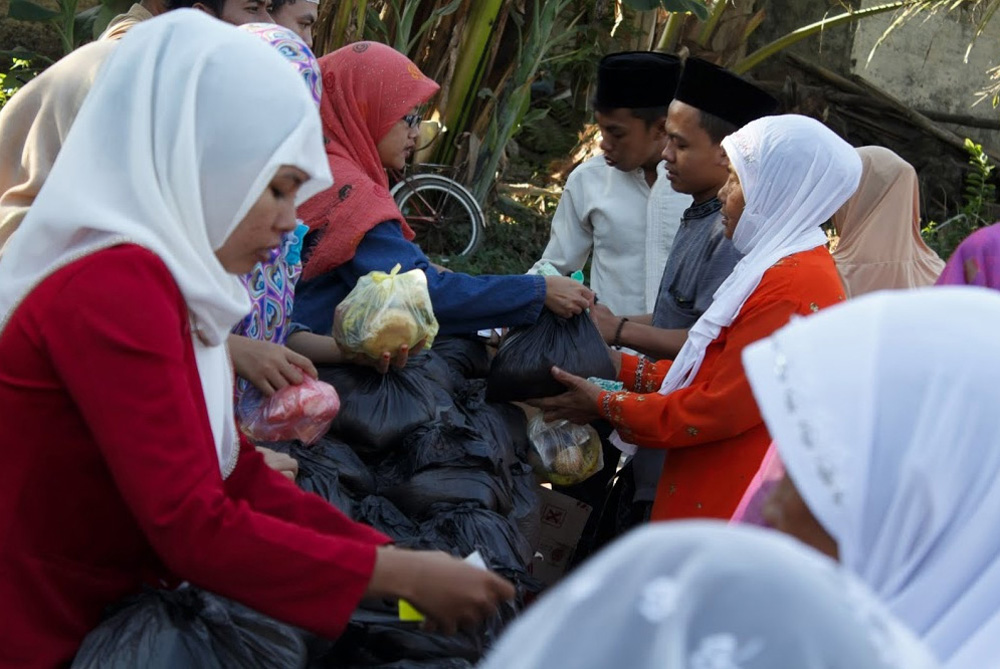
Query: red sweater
110	478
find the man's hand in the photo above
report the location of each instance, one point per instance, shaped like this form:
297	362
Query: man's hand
577	405
269	367
606	321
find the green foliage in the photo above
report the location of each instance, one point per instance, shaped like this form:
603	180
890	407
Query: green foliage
74	28
697	7
20	72
538	40
980	194
404	14
517	230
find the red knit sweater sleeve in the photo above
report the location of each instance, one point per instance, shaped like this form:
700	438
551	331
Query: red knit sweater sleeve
267	491
119	340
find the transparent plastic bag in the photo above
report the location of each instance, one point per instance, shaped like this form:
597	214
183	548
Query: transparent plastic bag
302	412
564	453
385	312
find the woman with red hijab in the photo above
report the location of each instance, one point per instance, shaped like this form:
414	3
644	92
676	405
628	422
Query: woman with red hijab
371	96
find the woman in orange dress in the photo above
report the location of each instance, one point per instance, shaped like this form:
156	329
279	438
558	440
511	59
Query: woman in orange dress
788	175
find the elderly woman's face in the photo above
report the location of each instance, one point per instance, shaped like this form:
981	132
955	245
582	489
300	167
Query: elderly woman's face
733	202
787	512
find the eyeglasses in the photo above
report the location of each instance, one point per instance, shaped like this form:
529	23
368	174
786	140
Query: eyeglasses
412	120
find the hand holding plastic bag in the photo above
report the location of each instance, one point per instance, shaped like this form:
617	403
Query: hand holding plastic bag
302	412
564	453
384	313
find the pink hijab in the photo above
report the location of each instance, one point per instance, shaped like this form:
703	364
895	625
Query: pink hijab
880	245
367	88
976	261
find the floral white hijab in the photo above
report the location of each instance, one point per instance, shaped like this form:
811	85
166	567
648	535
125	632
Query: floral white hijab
704	595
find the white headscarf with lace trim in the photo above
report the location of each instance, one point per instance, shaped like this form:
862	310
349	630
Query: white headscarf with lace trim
885	414
175	142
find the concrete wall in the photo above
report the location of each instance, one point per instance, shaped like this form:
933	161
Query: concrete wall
922	64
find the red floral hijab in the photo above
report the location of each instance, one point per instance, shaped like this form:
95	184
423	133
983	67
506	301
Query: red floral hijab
367	88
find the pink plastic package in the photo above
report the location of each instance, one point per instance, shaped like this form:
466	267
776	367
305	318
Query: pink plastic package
302	412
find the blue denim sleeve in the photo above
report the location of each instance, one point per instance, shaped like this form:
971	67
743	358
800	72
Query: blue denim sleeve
462	304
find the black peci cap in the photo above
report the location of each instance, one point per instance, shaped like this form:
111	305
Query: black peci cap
636	80
719	92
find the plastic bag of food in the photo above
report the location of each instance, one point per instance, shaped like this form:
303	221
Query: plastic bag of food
522	368
302	412
564	453
385	312
188	627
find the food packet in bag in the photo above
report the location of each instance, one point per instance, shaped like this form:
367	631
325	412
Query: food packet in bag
564	453
303	412
385	312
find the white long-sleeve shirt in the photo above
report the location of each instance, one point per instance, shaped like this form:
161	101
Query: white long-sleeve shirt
627	226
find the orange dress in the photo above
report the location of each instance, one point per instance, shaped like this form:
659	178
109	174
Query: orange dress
713	428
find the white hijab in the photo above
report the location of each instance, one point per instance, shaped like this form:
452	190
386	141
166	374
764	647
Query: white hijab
795	174
885	414
185	126
673	595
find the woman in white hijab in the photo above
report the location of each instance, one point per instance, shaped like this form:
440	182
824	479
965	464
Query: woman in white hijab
897	475
700	595
788	175
122	465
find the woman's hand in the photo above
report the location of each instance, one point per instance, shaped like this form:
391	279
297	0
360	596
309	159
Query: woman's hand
577	405
566	297
383	362
451	594
280	462
269	367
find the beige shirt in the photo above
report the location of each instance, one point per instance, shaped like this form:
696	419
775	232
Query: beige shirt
624	224
122	23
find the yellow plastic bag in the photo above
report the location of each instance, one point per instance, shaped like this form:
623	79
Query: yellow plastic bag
564	453
385	312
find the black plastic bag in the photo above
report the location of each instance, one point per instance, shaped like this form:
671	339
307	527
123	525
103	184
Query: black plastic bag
464	529
466	356
423	495
380	513
188	627
522	368
353	474
503	425
374	638
321	475
448	442
378	410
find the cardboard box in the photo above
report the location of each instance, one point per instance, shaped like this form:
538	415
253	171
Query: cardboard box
563	520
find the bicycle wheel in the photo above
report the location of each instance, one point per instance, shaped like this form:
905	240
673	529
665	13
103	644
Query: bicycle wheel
446	218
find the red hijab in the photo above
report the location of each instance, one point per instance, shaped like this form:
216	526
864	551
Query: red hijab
367	88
